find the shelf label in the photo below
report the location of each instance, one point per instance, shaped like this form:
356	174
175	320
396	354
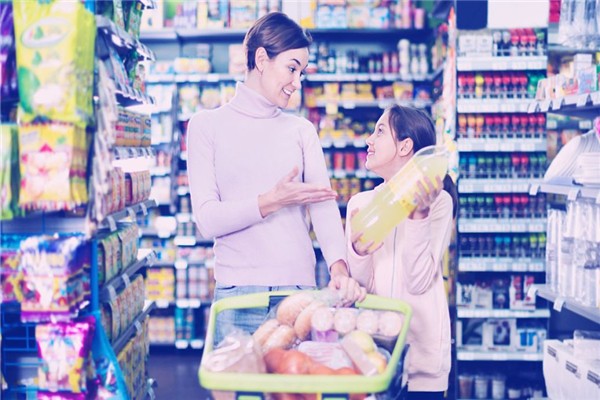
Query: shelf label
572	195
595	97
552	124
331	108
582	100
339	143
112	293
162	303
465	146
181	344
499	66
112	225
183	303
359	143
532	291
499	356
131	213
519	65
527	146
181	264
138	327
585	124
126	280
213	78
556	104
349	105
494	146
558	303
532	107
144	209
508	146
531	357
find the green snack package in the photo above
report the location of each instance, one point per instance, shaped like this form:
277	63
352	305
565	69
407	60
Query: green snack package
8	170
55	59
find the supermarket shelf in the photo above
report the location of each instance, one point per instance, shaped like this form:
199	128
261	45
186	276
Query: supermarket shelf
163	234
497	355
343	143
128	96
136	325
560	302
180	303
492	313
365	77
209	77
490	63
340	174
184	264
502	145
237	35
586	105
122	38
122	153
492	105
109	290
59	222
129	211
500	264
582	124
565	187
508	185
382	104
501	225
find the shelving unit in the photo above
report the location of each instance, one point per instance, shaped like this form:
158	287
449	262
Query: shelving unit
21	358
498	237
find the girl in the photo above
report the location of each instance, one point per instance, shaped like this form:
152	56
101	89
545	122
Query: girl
408	264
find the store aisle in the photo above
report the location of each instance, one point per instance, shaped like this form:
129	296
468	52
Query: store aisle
177	375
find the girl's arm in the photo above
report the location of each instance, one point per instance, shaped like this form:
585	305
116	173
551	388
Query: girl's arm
361	267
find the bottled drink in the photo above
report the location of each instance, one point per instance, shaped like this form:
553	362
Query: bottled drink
396	199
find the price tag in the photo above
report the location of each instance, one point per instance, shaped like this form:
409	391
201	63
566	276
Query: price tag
126	280
162	303
138	327
519	65
360	173
509	146
558	303
551	124
491	146
467	356
359	143
467	188
132	152
530	357
339	173
326	143
598	198
499	356
131	213
532	107
585	124
464	66
331	108
213	78
183	303
112	293
339	143
508	107
349	105
536	65
595	97
194	303
144	208
376	77
112	225
582	100
545	105
462	146
181	264
499	66
527	146
181	344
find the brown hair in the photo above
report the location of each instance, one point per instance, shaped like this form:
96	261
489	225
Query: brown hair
276	32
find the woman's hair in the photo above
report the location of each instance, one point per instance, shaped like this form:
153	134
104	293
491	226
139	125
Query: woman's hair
408	122
276	32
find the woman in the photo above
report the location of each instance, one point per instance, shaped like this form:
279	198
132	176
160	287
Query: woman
255	171
408	264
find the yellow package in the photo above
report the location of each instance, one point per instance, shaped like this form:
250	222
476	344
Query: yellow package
55	59
53	166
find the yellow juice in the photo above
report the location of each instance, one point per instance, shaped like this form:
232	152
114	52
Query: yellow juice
396	199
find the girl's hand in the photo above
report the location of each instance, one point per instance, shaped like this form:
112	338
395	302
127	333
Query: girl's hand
348	288
288	192
425	197
360	248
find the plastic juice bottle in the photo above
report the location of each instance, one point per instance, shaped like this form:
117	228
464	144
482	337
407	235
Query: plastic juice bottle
396	199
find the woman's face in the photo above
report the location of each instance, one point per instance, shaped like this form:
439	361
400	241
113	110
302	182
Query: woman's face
282	74
382	150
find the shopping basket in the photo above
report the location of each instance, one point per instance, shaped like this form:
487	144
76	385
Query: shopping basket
251	386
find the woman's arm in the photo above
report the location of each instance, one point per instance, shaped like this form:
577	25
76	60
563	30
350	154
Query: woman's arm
213	216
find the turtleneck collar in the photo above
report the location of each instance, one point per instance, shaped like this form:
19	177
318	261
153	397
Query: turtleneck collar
251	103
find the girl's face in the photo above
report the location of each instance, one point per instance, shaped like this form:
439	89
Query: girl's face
281	76
382	149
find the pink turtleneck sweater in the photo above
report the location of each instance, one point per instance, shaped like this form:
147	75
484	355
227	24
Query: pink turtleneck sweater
241	150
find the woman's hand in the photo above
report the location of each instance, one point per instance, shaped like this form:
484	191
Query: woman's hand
348	288
288	192
425	197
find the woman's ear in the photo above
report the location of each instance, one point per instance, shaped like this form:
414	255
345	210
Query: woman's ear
260	58
406	146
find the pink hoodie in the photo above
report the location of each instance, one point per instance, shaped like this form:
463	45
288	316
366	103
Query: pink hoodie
409	267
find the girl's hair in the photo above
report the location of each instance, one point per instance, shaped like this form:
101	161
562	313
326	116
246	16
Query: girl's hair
408	122
276	32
